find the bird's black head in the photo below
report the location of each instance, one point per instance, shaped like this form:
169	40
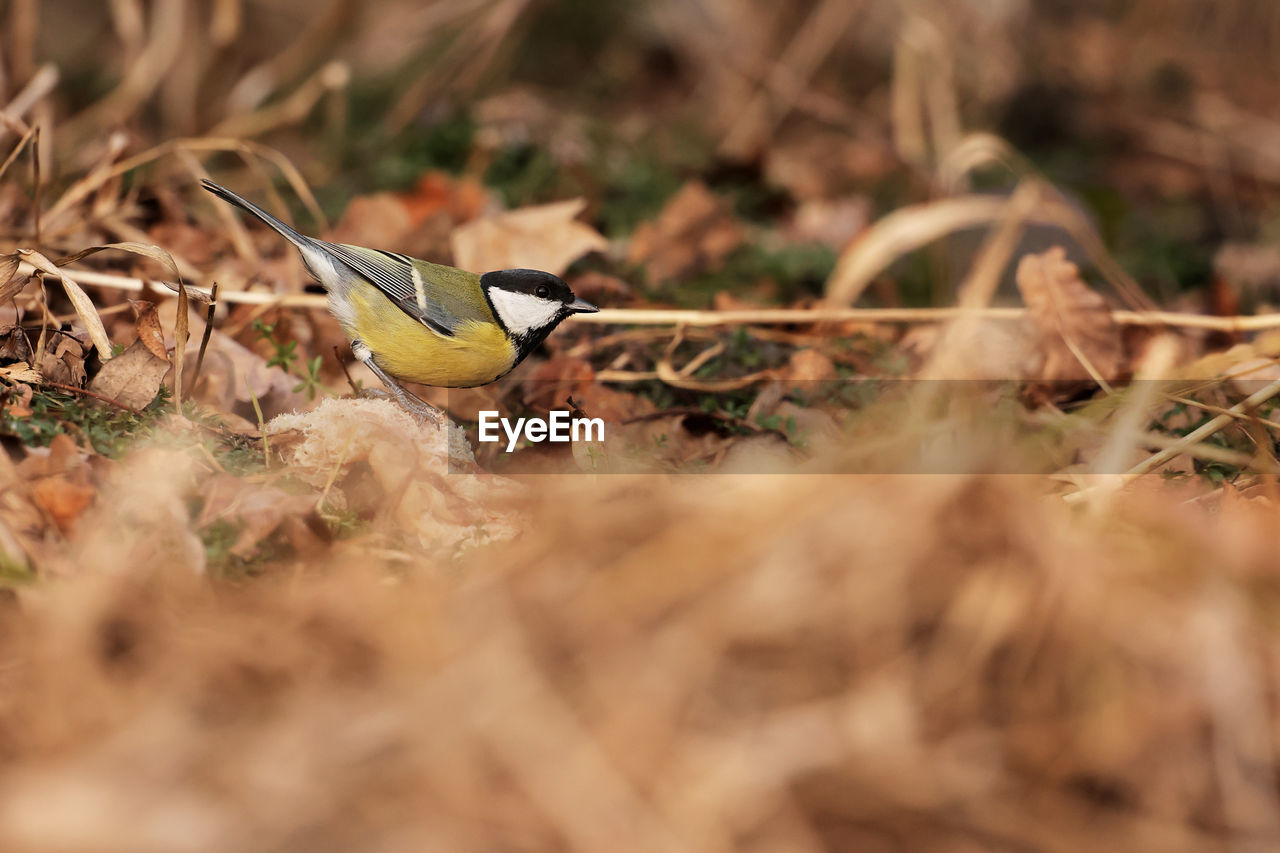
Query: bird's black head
529	304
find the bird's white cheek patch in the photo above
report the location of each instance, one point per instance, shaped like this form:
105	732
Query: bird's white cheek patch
521	312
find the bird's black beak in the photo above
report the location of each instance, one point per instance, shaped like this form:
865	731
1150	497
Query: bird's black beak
582	306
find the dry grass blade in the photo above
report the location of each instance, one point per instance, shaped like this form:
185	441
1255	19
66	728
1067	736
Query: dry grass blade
1127	431
180	333
143	76
1198	435
250	151
787	81
901	232
736	317
36	89
79	300
146	250
152	251
17	150
333	77
981	282
910	228
976	151
1187	442
305	51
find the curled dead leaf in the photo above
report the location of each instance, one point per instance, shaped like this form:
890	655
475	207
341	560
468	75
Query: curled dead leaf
148	326
15	345
545	237
132	378
1077	338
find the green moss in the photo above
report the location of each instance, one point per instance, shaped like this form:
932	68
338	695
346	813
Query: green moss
108	429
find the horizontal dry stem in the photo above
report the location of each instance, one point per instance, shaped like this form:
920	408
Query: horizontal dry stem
761	316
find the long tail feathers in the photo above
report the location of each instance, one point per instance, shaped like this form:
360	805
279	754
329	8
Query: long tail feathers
288	233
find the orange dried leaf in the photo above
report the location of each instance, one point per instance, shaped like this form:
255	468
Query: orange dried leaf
546	237
1076	334
149	330
62	500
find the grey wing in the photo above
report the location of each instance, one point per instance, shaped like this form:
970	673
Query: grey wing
396	276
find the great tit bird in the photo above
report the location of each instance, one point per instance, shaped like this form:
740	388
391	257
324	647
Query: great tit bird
428	323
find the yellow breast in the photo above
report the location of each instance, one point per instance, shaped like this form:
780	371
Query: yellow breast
476	354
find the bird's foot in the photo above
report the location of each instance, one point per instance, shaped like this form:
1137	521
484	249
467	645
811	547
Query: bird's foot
421	411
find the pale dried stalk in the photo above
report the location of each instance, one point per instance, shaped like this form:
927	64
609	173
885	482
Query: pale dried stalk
333	77
144	76
979	286
789	78
1186	443
915	226
246	149
306	51
1135	412
40	85
1198	435
752	316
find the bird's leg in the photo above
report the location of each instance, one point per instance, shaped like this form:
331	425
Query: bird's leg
422	411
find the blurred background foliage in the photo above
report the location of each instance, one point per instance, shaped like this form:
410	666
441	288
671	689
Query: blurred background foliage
1152	115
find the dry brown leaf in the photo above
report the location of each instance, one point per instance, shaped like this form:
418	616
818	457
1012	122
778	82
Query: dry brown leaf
63	360
546	237
379	219
132	378
694	231
14	345
234	374
62	499
19	371
148	325
1077	337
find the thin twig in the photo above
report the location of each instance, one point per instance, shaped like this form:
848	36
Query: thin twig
87	393
751	316
35	175
208	332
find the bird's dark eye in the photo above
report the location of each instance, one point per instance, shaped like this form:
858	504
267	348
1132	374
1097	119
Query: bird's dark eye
542	291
